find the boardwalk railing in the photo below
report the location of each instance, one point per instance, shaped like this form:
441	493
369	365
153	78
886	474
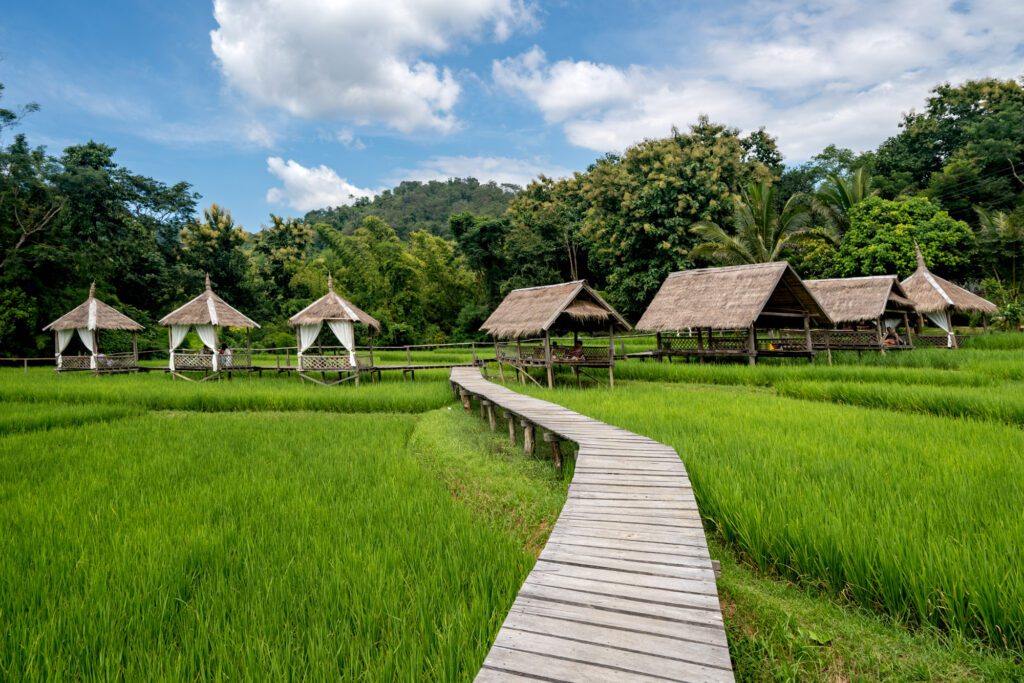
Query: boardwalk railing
625	588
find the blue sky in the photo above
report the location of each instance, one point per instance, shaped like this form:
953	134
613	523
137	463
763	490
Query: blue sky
282	106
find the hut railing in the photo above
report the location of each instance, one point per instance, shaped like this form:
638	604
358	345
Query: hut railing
939	341
532	352
189	361
718	342
117	361
340	362
75	363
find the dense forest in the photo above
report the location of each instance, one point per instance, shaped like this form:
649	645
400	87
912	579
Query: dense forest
431	259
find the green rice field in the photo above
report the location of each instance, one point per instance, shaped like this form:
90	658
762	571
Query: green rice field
867	515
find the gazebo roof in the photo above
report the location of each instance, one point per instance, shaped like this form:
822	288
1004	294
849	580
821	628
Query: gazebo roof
208	309
931	293
332	306
858	299
93	314
534	310
729	298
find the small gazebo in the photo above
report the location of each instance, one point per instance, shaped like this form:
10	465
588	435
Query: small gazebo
207	313
862	309
939	300
341	317
87	319
717	313
527	314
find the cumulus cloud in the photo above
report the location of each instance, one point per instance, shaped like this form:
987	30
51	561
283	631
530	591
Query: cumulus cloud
484	168
813	74
362	62
307	188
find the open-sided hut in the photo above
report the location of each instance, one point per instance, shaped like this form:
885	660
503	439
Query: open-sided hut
207	313
530	316
719	312
341	317
939	300
863	310
88	319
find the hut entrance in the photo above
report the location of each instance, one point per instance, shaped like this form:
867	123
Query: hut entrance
527	324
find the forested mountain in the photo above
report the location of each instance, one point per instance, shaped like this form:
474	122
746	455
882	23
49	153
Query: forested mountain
430	260
415	205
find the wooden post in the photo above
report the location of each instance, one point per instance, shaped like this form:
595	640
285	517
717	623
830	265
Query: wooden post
466	402
528	434
880	335
370	334
611	356
135	347
807	335
511	427
556	449
906	326
491	418
472	345
657	346
248	347
497	359
751	346
547	359
519	361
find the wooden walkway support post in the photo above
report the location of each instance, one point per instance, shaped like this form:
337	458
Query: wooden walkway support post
492	421
511	427
528	434
466	401
556	449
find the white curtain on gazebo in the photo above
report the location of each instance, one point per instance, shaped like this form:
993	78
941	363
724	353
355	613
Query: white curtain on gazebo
345	331
88	338
178	334
63	338
307	337
944	321
208	335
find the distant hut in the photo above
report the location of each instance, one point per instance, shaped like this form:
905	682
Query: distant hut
939	300
867	313
718	313
87	319
207	313
570	307
341	317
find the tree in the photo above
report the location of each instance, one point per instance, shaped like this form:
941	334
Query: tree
544	244
883	233
1000	248
216	246
641	205
760	232
840	194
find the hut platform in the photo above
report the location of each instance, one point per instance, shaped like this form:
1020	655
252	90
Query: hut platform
624	588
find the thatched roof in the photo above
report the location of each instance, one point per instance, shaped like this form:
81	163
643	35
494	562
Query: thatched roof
93	314
568	306
731	298
931	293
331	306
858	299
207	309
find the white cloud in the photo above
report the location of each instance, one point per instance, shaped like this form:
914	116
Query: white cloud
499	169
305	189
362	62
812	73
348	138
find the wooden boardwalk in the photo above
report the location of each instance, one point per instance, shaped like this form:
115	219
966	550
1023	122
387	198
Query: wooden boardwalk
624	588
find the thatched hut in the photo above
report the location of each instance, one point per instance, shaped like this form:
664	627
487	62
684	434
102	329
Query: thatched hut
527	315
867	313
87	319
939	300
718	312
341	317
207	314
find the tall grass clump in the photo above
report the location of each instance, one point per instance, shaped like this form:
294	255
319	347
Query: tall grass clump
912	515
996	341
270	546
27	417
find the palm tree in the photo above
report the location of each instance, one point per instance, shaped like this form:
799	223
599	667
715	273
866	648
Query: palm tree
761	232
834	201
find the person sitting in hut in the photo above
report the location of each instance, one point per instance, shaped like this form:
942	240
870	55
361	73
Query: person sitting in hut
891	337
577	350
226	356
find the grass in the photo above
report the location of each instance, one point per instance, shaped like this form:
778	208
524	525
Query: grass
160	392
232	544
1001	403
913	516
26	417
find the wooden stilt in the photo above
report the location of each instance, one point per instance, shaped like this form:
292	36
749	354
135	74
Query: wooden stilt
528	436
556	449
511	427
547	360
751	346
492	421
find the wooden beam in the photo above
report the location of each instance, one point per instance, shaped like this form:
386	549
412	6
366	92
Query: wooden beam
547	359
